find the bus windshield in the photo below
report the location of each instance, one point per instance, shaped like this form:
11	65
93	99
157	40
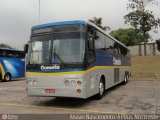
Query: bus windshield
5	53
59	48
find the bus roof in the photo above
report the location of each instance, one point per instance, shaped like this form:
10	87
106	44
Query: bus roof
59	23
76	22
10	49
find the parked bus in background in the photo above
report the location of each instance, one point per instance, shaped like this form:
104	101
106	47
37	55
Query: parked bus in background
74	59
12	64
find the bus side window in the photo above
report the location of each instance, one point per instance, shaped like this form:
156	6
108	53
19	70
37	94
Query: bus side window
90	56
5	54
125	52
91	53
99	41
1	53
109	45
117	49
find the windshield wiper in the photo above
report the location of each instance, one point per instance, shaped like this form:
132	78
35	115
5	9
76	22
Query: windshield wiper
55	55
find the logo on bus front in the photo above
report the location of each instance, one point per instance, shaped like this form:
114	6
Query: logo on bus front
53	67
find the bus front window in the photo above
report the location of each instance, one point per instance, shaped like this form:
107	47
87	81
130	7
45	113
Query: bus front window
39	50
69	47
59	48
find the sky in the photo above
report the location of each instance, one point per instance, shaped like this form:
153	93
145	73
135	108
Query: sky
18	16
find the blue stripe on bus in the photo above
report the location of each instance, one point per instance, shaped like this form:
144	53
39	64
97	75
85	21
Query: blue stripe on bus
73	72
58	23
60	70
102	59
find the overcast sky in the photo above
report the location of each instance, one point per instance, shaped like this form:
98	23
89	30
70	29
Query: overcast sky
18	16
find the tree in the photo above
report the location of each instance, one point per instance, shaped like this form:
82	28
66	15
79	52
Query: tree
128	36
2	45
98	22
141	19
158	44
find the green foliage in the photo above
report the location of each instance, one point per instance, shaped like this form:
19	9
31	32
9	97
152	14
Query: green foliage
141	19
128	36
2	45
143	22
158	44
98	22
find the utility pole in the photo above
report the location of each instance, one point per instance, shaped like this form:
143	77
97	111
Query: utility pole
39	11
145	41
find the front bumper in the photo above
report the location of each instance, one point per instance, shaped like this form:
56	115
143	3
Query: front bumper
58	92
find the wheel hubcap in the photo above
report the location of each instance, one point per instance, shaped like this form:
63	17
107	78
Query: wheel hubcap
101	88
7	77
125	79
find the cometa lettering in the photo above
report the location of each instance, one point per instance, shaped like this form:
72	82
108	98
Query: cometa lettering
50	67
116	61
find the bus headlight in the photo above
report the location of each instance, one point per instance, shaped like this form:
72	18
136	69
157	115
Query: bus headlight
73	82
66	82
30	82
35	82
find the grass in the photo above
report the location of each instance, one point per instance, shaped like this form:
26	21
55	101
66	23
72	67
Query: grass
145	68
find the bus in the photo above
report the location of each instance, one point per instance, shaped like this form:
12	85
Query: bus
12	64
74	59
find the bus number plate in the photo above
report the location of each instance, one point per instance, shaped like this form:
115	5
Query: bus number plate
49	90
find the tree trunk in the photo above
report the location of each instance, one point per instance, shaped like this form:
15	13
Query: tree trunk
140	50
154	49
145	49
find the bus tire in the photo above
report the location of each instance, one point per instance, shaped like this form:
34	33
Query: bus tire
0	77
125	79
101	89
7	77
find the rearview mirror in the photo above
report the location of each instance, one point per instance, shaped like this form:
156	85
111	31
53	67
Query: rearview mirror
26	48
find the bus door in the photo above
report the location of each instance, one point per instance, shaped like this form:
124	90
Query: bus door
116	75
90	46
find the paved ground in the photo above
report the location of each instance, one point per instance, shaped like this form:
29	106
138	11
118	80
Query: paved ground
142	97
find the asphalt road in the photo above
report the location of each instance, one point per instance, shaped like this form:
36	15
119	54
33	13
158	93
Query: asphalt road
136	97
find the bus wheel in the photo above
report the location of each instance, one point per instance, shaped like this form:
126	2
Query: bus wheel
101	90
7	77
125	79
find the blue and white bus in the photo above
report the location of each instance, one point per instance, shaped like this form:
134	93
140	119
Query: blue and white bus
74	59
12	64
